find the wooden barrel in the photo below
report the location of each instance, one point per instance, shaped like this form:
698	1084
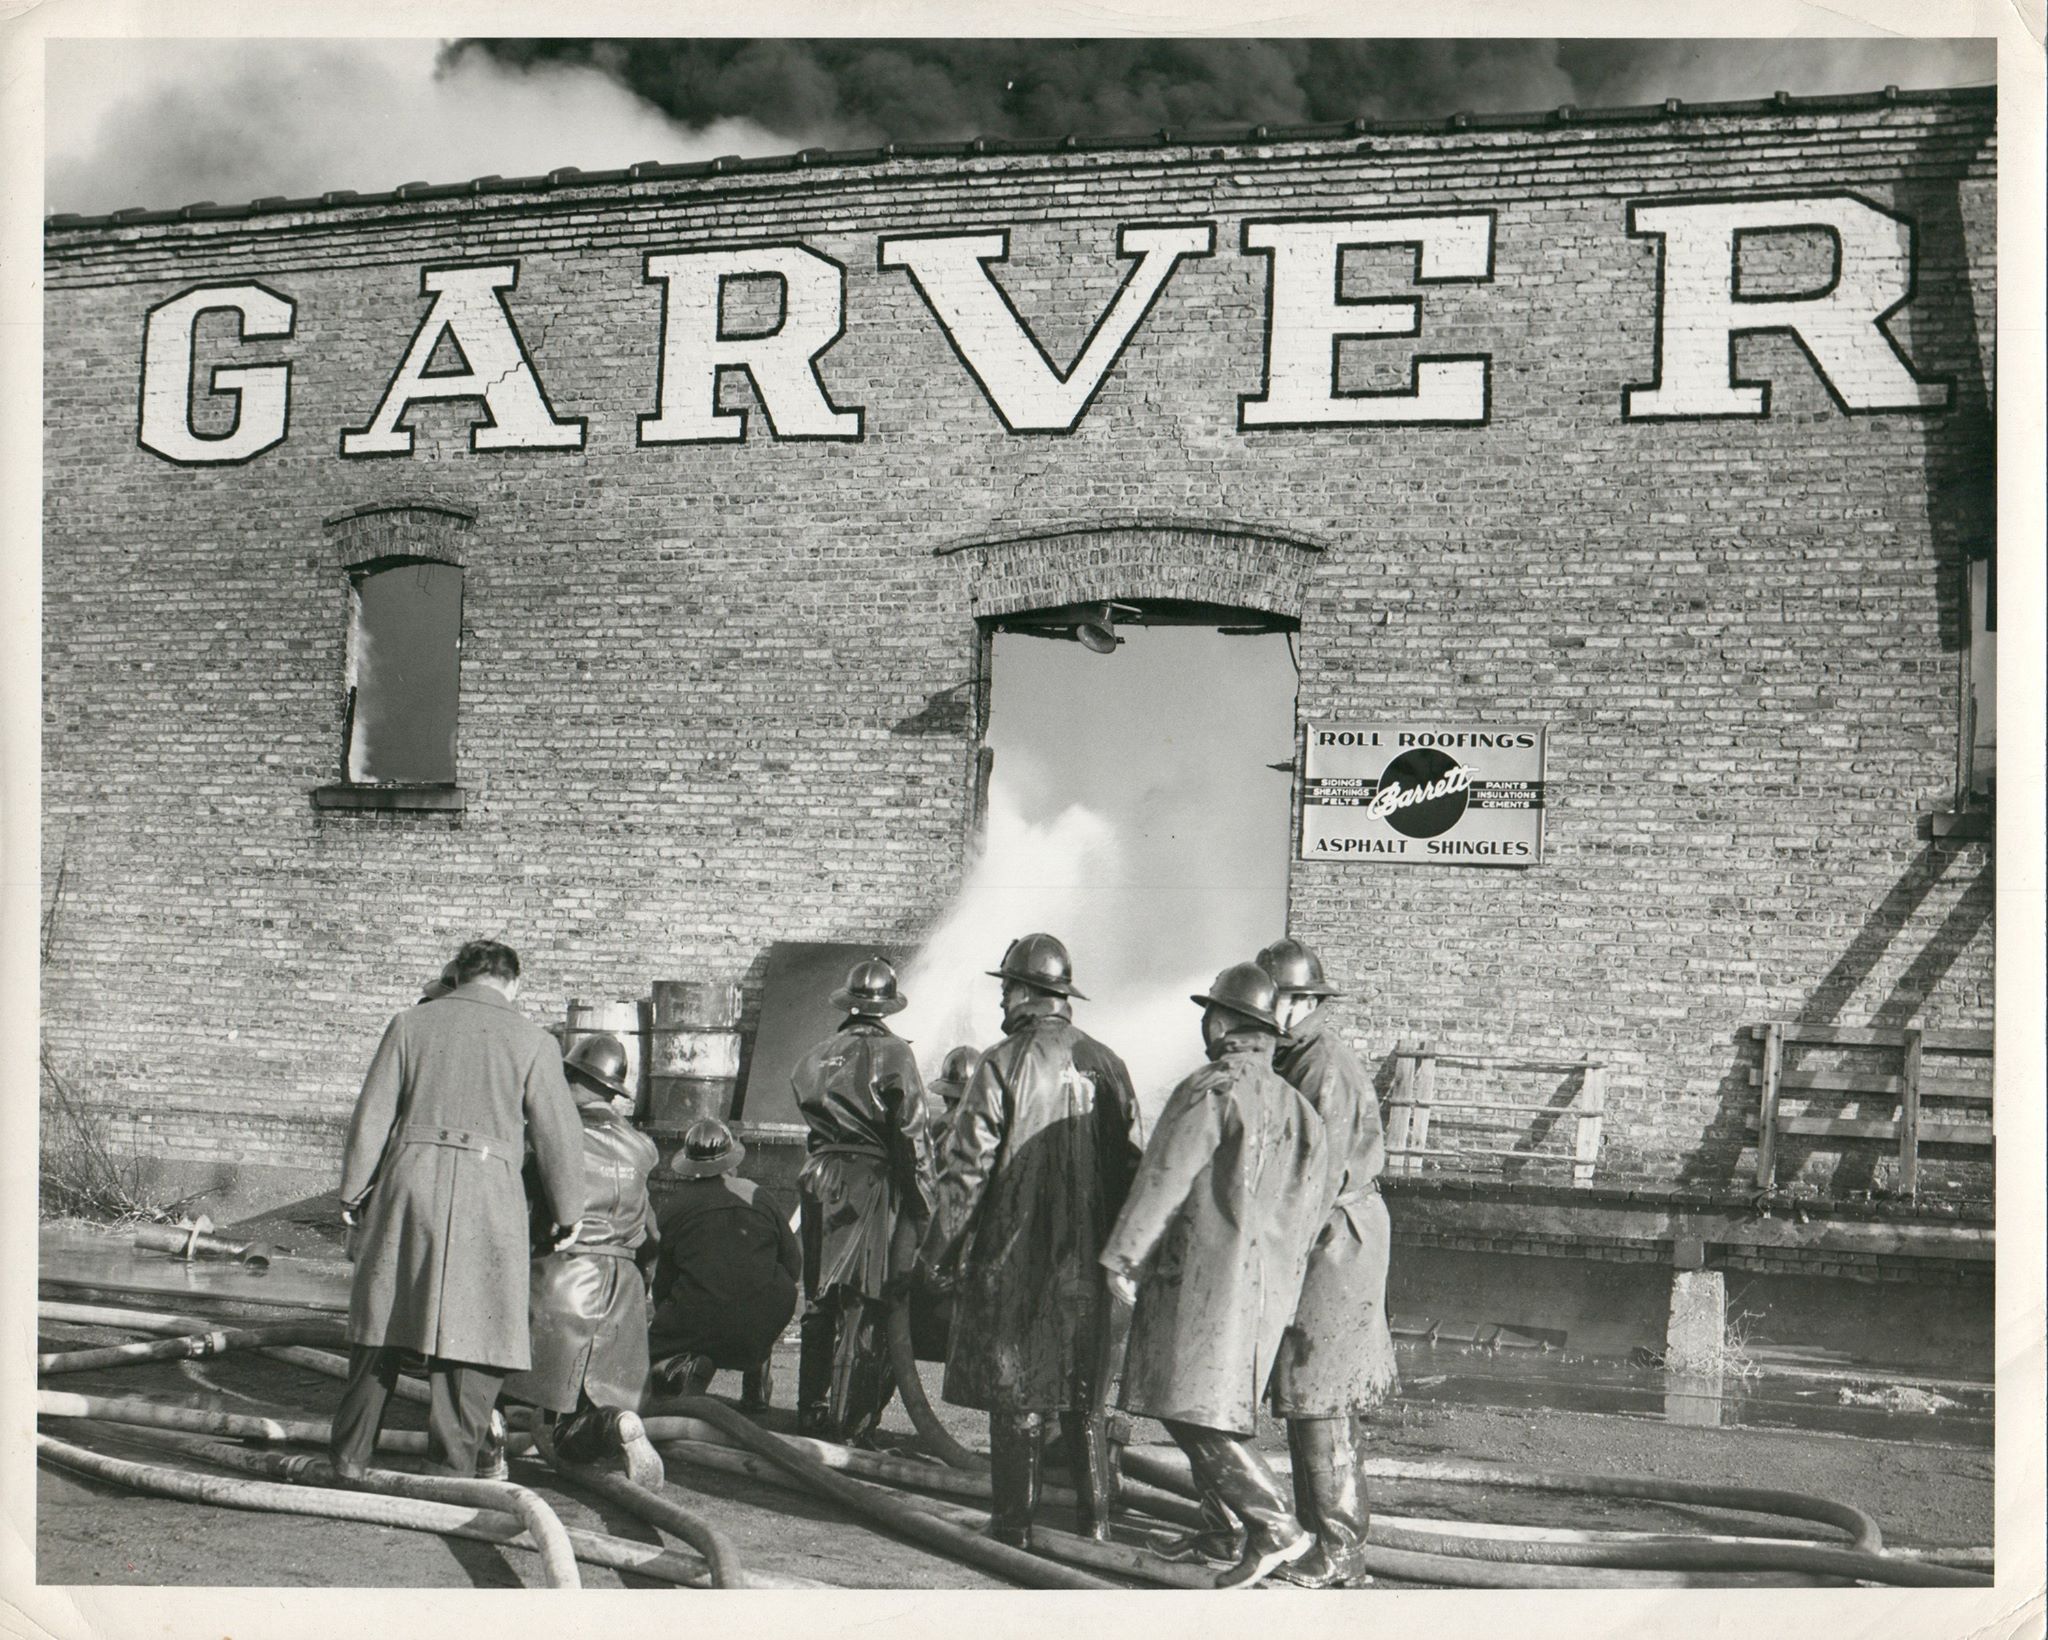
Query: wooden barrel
624	1020
693	1053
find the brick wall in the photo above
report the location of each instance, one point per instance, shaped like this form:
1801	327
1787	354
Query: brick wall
697	680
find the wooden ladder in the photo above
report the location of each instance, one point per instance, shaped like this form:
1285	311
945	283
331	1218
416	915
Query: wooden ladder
1415	1104
1909	1127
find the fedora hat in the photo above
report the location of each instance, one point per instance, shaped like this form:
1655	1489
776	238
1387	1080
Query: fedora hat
708	1149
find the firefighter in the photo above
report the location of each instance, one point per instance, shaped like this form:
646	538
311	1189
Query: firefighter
729	1273
1211	1246
1337	1360
865	1193
1036	1167
943	1097
588	1303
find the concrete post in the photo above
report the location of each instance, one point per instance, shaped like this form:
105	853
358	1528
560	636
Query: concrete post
1695	1336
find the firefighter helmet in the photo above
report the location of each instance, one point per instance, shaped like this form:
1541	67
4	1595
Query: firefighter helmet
959	1065
709	1149
870	989
1040	961
1244	988
1295	967
599	1061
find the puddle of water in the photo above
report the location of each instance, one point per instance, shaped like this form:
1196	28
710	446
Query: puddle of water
1556	1381
77	1256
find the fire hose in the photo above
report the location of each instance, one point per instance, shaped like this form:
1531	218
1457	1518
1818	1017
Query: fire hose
691	1441
174	1325
1399	1548
716	1548
699	1442
190	1346
540	1520
454	1520
936	1438
1863	1559
887	1507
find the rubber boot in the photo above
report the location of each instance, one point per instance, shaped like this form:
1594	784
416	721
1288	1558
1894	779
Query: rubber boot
629	1436
1230	1466
491	1462
1016	1446
1091	1462
684	1375
1329	1500
815	1336
861	1380
1220	1537
757	1387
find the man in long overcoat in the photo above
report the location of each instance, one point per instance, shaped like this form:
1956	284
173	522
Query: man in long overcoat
431	1184
868	1173
1337	1360
588	1303
1037	1164
1212	1244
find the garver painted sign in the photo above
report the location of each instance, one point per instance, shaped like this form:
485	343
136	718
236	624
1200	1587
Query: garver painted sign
1701	311
1423	794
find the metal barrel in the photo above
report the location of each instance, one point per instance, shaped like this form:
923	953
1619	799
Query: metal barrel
693	1053
624	1020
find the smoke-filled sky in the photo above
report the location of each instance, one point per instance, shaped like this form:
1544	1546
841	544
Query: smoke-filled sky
160	123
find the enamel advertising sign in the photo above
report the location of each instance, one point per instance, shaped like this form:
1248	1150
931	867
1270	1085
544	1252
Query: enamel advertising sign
1424	794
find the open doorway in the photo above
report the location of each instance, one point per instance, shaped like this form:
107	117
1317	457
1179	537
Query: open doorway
1137	768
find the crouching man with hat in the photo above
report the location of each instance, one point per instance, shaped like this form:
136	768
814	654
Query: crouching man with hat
588	1300
867	1191
1337	1360
1211	1247
726	1282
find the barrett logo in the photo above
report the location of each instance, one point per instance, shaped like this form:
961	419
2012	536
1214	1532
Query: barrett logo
1422	793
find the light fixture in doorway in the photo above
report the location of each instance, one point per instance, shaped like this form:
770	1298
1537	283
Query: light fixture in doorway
1091	625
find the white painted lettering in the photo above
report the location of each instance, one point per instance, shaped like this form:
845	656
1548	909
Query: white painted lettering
1841	327
1310	316
1029	393
782	364
470	312
262	393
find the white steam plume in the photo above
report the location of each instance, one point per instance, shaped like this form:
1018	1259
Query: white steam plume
168	122
1070	877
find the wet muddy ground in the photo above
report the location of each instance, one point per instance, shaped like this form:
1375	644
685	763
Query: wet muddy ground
1927	1479
1924	1494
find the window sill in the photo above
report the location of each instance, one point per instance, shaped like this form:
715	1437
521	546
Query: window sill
389	799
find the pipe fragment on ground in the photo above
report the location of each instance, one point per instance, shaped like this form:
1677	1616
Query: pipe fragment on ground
885	1506
196	1241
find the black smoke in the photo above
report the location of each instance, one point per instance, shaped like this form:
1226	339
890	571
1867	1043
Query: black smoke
853	91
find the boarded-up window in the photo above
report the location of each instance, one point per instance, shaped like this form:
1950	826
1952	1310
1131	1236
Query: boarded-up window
404	642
